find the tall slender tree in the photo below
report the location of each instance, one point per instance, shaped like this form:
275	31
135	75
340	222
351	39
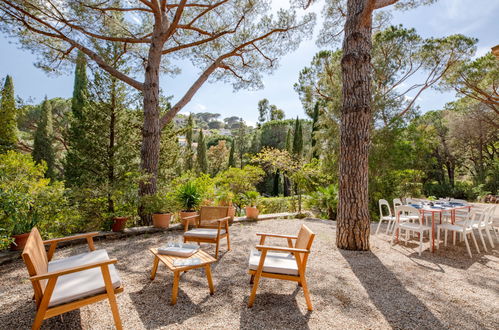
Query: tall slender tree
315	128
76	134
298	139
201	154
263	110
289	139
232	159
188	140
8	117
43	145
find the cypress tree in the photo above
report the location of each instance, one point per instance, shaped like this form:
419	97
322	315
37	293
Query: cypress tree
315	128
8	117
298	139
288	141
43	149
188	138
201	155
232	159
76	134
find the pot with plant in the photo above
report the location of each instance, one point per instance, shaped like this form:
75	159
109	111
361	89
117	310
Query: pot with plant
19	216
161	206
225	198
251	199
126	207
189	197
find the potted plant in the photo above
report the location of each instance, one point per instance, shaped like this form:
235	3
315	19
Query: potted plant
251	199
189	198
18	217
161	207
225	198
126	207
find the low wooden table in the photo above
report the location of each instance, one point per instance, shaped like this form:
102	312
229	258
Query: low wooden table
206	261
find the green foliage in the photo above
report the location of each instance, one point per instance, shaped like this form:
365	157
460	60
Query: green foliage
232	159
188	140
324	201
239	180
277	205
202	160
224	196
44	140
8	124
27	199
160	203
189	196
298	139
250	198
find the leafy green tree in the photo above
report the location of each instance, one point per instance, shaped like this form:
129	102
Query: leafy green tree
232	159
202	160
263	110
241	142
44	140
188	140
315	129
289	139
276	113
8	117
298	139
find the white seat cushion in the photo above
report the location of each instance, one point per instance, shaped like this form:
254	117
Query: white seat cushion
275	262
82	284
414	226
203	232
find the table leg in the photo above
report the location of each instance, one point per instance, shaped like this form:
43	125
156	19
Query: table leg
210	280
432	231
176	277
154	267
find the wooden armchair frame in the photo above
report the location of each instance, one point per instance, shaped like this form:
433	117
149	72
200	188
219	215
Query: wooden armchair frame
36	260
300	250
206	220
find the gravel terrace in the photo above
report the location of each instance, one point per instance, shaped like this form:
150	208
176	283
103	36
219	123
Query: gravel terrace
384	288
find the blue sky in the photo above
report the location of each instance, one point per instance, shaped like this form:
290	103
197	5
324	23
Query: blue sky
477	18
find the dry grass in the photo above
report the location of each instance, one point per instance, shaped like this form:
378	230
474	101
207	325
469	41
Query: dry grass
384	288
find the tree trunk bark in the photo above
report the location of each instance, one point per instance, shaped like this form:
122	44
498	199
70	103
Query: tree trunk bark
151	130
353	226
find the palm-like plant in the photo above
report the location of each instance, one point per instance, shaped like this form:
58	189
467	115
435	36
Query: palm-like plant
189	196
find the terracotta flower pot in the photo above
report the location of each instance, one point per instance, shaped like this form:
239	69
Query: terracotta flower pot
252	212
119	223
185	214
19	242
161	220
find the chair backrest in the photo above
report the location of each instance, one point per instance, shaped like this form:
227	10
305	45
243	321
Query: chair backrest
397	202
35	258
304	241
208	213
489	214
385	203
408	210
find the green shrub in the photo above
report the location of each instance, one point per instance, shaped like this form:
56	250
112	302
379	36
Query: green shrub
189	196
277	205
324	201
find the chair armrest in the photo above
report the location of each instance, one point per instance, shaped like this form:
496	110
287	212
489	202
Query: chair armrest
188	221
277	235
281	248
222	219
72	270
70	238
191	217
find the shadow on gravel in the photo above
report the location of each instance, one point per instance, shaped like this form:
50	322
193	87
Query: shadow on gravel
401	308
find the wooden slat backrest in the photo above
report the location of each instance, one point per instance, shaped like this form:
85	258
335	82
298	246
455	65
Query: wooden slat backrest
208	213
304	241
35	258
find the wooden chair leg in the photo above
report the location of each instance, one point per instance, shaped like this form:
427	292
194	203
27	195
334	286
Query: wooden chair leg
210	280
40	313
228	241
216	249
306	293
154	267
111	296
252	279
258	274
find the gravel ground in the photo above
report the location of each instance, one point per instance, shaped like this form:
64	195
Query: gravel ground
384	288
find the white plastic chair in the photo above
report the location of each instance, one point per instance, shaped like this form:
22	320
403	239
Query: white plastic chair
463	228
489	224
410	227
405	217
389	218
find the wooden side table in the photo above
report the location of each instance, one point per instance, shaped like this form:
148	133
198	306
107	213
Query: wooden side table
206	261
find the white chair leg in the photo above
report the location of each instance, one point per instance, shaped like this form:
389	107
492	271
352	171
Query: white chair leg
438	237
388	227
445	239
481	238
467	245
379	225
393	236
420	243
474	241
491	241
454	238
407	232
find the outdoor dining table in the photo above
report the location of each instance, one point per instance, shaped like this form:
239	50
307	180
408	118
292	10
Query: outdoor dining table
439	209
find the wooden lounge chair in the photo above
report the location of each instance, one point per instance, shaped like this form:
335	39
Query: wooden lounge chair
283	263
212	224
66	284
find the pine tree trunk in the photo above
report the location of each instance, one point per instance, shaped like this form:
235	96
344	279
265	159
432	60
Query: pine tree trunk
353	225
151	132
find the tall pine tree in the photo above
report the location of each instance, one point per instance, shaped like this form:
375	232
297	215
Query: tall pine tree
43	146
315	128
188	138
76	135
201	155
232	159
8	117
298	139
289	145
